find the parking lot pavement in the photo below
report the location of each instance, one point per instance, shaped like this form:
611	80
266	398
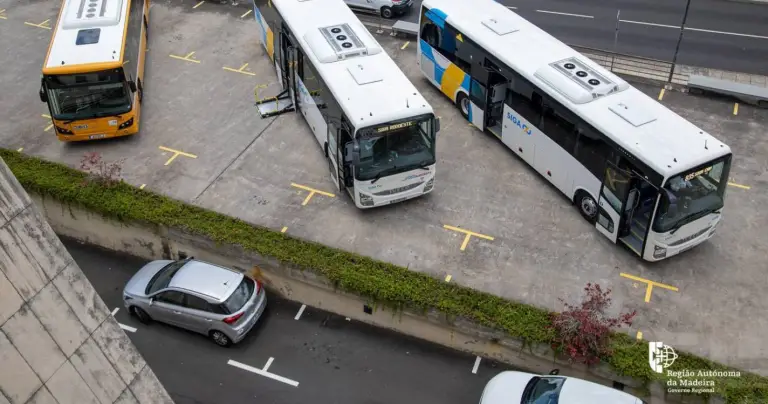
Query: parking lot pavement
491	223
332	360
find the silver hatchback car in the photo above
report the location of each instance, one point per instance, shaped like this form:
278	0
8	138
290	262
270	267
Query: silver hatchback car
201	297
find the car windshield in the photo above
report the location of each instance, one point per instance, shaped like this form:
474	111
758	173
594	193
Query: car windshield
240	296
691	195
543	390
163	277
83	96
394	148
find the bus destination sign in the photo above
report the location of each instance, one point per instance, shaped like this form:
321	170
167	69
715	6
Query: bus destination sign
698	173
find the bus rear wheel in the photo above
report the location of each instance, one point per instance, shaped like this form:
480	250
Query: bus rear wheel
587	206
462	103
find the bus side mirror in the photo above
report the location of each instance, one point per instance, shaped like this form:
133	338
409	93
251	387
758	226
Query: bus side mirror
351	152
437	125
132	84
43	94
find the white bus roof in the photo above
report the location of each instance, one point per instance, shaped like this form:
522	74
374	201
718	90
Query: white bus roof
665	141
368	85
109	16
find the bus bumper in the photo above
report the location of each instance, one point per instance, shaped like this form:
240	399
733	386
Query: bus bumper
367	201
96	136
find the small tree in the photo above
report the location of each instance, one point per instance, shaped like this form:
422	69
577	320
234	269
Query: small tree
100	171
582	331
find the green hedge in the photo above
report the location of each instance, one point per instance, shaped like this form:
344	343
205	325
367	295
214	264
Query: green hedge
378	281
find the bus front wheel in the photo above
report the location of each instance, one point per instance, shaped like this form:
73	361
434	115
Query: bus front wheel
587	206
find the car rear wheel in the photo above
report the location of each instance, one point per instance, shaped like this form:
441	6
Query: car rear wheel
386	12
141	315
220	339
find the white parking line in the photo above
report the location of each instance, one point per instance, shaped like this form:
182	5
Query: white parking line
477	364
269	362
650	23
512	8
301	310
263	372
568	14
123	326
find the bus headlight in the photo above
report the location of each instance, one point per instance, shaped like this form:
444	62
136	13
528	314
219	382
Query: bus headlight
63	131
659	252
125	124
365	200
430	185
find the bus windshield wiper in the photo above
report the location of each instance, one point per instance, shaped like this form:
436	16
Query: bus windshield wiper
682	222
378	176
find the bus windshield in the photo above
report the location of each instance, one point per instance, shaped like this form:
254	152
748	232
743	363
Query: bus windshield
395	147
692	195
88	95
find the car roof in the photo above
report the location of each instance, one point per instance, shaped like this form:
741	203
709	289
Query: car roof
577	391
206	279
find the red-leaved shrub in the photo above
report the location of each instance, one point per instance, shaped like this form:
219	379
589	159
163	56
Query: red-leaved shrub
582	330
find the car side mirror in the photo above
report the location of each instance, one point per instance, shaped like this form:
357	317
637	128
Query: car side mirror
132	84
351	152
437	125
554	372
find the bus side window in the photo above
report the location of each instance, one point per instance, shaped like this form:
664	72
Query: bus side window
558	124
593	151
521	99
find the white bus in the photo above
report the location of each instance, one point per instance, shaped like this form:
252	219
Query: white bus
377	131
642	174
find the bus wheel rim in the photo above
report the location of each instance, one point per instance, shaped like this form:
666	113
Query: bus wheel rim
588	206
465	105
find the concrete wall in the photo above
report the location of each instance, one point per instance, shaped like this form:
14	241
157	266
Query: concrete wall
59	343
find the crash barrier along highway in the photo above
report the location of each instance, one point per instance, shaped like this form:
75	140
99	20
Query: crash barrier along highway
748	93
123	218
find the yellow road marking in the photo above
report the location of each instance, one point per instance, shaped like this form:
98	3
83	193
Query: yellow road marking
448	278
187	58
661	94
284	230
240	70
736	108
21	149
650	284
199	4
2	11
47	128
176	153
468	233
41	25
246	13
405	45
639	335
733	184
312	192
142	186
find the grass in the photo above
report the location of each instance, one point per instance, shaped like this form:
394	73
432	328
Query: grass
381	282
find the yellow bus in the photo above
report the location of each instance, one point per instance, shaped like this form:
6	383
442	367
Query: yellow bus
92	76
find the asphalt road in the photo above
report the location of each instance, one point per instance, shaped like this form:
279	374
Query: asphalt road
334	361
719	34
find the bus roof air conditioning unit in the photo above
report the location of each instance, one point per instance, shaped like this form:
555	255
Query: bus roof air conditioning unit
92	13
585	76
344	41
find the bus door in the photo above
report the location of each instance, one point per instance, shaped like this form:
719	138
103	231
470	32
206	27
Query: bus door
494	111
286	65
478	96
614	195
